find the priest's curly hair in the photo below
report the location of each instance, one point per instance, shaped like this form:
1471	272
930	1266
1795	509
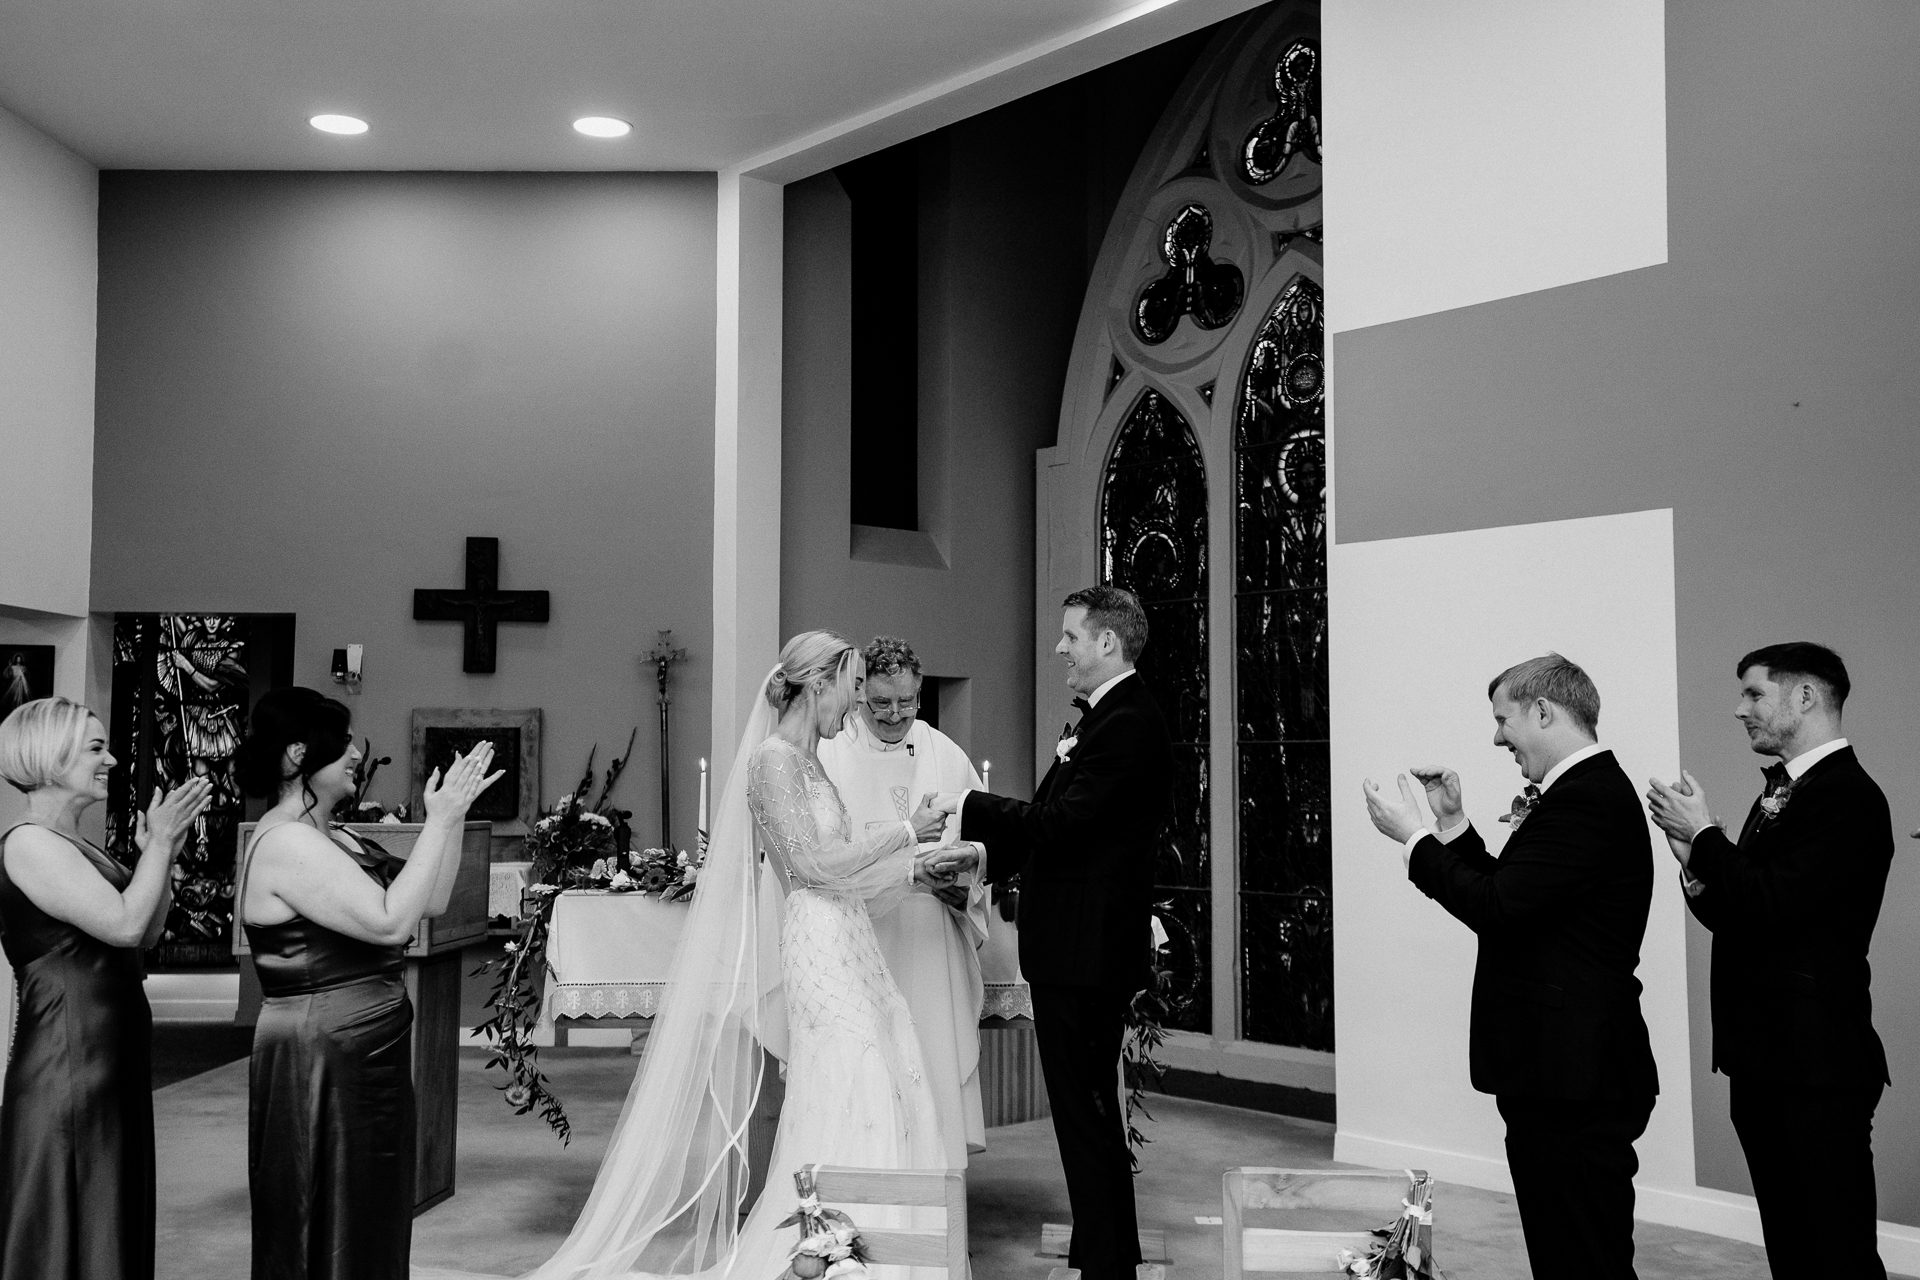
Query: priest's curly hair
891	656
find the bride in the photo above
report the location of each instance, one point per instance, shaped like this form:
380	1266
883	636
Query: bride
777	951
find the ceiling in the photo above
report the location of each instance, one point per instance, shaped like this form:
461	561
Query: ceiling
489	84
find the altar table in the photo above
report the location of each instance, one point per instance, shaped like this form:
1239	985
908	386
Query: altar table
608	956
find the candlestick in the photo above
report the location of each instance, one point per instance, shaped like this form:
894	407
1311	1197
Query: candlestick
703	803
986	775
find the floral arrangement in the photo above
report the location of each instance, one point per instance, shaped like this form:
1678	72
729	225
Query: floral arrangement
356	807
830	1246
575	844
1144	1031
1404	1249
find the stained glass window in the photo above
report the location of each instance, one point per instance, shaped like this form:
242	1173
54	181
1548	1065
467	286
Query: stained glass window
1153	541
180	699
1280	648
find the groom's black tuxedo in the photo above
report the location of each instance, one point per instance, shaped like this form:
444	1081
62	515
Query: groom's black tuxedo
1083	849
1556	1032
1792	908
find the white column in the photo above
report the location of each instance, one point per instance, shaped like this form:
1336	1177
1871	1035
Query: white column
746	452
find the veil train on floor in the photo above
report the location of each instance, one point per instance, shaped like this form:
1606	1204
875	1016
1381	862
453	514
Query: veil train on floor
668	1197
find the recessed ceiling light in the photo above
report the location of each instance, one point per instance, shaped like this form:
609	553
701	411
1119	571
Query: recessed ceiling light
338	124
602	127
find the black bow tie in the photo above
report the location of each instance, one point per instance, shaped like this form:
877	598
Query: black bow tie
1082	705
1777	777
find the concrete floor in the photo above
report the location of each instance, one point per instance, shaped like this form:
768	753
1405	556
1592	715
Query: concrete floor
519	1189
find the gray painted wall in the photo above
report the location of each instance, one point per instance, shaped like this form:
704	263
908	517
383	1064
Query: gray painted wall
1014	205
314	387
1763	384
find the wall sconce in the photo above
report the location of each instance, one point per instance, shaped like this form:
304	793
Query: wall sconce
346	666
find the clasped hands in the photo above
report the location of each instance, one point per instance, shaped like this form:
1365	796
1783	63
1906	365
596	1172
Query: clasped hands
940	869
1680	810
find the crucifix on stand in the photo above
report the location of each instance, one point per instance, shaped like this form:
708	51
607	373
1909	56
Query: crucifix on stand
481	605
663	657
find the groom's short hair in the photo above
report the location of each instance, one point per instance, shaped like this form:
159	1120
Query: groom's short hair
891	656
1556	679
1114	609
1802	660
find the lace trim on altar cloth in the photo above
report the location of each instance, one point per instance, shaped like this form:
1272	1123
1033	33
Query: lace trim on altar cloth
642	1000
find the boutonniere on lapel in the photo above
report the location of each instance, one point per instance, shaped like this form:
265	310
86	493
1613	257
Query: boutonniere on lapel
1063	749
1523	805
1780	787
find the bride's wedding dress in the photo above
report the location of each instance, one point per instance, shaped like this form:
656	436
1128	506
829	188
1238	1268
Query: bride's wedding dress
856	1091
778	951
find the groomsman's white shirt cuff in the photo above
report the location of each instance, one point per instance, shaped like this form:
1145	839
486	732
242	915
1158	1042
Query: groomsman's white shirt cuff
1691	884
1448	836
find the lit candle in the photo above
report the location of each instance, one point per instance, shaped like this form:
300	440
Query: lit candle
986	775
703	802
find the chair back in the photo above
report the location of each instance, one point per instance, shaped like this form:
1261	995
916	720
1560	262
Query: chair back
904	1188
1316	1192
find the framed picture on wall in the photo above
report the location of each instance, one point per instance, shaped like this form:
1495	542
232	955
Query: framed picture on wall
439	733
26	673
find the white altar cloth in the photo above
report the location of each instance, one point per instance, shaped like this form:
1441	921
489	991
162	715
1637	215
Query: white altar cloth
506	882
608	955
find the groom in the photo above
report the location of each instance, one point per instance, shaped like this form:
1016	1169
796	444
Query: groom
1084	850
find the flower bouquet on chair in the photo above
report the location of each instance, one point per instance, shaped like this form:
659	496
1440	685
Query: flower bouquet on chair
830	1245
1405	1247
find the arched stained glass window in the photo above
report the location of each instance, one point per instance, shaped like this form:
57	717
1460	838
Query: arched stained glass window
1153	541
1280	652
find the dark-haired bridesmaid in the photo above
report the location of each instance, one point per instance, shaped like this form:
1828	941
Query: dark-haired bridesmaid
76	1118
330	1141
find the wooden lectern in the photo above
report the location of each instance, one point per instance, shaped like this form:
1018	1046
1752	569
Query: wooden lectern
433	984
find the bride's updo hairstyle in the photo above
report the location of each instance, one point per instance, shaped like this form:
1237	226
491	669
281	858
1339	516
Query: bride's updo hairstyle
810	658
281	719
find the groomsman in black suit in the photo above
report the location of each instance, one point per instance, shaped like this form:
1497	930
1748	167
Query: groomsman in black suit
1556	1034
1083	849
1792	908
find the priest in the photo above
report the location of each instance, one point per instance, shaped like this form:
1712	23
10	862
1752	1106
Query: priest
883	762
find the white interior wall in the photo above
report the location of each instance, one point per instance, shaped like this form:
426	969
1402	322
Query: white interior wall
49	255
1418	626
1478	149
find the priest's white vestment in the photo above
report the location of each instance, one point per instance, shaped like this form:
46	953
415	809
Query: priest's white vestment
931	950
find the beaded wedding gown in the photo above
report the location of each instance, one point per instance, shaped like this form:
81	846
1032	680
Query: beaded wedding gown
778	952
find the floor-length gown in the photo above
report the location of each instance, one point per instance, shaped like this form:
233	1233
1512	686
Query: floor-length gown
856	1091
330	1126
76	1120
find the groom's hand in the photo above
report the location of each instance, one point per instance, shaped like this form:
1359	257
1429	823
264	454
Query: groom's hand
1395	819
1443	795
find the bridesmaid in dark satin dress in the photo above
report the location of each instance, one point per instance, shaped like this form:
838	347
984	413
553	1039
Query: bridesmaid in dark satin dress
330	1145
76	1120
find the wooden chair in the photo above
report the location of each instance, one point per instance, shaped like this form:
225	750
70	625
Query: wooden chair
905	1188
1350	1194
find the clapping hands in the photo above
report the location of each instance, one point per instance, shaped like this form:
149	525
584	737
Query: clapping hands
450	797
167	820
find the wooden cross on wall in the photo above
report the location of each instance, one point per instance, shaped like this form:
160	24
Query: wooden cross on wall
481	605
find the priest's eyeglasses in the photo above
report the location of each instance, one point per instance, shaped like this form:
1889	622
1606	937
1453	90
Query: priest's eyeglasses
894	706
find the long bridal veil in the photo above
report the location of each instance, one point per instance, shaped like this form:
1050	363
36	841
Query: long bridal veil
668	1198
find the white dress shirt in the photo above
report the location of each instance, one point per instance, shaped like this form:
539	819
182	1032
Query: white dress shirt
1553	775
1093	699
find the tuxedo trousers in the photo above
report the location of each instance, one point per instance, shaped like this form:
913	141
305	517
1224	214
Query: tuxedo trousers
1079	1030
1811	1156
1572	1161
